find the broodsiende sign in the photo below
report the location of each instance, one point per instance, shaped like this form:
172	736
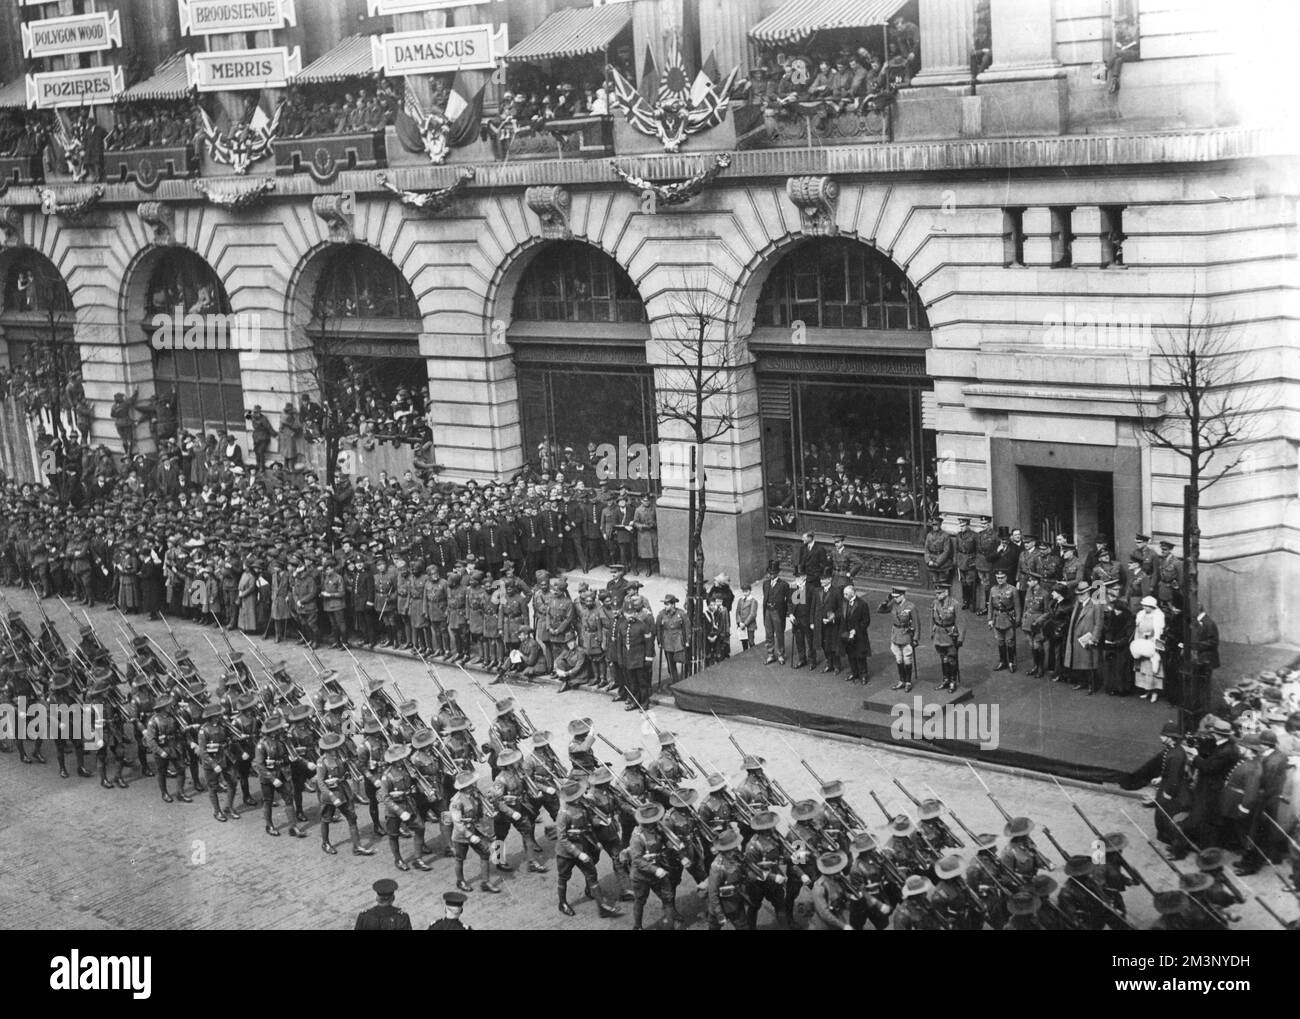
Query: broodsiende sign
219	17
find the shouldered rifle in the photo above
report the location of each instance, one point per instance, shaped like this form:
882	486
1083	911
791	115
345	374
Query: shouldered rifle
889	818
55	636
1210	912
621	791
946	836
1040	860
433	674
1008	878
609	743
1059	848
172	633
1273	913
1123	920
383	729
1129	869
1286	884
223	660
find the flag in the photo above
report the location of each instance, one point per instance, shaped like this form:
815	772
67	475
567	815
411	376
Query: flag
465	115
650	77
258	119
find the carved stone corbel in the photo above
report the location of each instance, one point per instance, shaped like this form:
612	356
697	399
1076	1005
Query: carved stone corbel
339	213
11	225
552	207
816	199
162	218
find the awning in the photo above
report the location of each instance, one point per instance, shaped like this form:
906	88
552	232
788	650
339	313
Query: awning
14	95
349	59
798	19
574	32
168	83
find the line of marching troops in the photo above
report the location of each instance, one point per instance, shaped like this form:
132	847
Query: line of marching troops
414	773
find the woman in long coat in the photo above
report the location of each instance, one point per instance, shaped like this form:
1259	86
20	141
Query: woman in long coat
281	599
1147	645
151	580
290	436
647	537
247	595
1116	632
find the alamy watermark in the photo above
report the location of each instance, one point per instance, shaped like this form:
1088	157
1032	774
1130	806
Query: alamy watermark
83	723
673	464
178	330
951	723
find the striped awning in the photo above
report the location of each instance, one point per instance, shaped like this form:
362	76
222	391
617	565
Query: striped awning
14	95
798	19
168	83
574	32
349	59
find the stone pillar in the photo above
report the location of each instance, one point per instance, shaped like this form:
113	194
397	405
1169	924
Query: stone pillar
1089	233
474	406
947	32
1024	90
1037	225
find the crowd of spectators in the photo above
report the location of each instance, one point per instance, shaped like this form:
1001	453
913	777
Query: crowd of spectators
24	133
151	125
853	477
349	109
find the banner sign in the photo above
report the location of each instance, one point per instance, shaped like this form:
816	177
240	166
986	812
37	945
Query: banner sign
243	70
439	50
82	86
375	7
83	33
221	17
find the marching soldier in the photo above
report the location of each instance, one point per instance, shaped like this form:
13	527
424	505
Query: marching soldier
876	887
1082	900
214	754
244	745
301	738
370	758
163	738
655	866
914	912
717	810
945	633
773	878
271	764
515	807
397	795
336	793
1003	620
986	881
727	890
578	847
1023	907
606	817
64	695
469	820
582	756
952	899
902	848
1019	856
830	895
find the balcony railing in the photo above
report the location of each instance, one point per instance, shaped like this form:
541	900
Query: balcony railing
571	138
808	124
146	167
326	156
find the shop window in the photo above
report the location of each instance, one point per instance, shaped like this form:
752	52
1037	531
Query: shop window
851	450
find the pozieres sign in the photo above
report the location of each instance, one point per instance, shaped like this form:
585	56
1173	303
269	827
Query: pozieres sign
219	17
82	33
437	50
235	70
82	86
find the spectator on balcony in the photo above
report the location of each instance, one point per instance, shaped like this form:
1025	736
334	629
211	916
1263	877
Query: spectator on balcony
907	37
823	83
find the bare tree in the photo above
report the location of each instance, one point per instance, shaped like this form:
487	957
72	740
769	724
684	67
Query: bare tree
1206	425
334	379
697	393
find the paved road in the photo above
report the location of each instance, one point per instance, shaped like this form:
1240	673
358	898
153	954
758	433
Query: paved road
76	856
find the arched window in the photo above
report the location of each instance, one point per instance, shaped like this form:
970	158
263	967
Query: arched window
574	282
838	283
36	323
183	289
33	284
361	283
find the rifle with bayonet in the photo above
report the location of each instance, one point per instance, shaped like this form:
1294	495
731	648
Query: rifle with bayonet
775	794
1117	916
1127	867
1040	861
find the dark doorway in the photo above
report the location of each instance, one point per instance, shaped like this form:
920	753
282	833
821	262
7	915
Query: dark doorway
1076	503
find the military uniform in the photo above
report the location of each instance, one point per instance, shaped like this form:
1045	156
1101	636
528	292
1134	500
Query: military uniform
1004	617
945	632
655	864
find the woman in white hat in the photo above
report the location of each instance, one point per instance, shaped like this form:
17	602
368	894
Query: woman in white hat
1147	647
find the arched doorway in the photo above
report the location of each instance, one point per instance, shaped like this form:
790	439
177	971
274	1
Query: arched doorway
846	409
578	331
192	336
36	323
